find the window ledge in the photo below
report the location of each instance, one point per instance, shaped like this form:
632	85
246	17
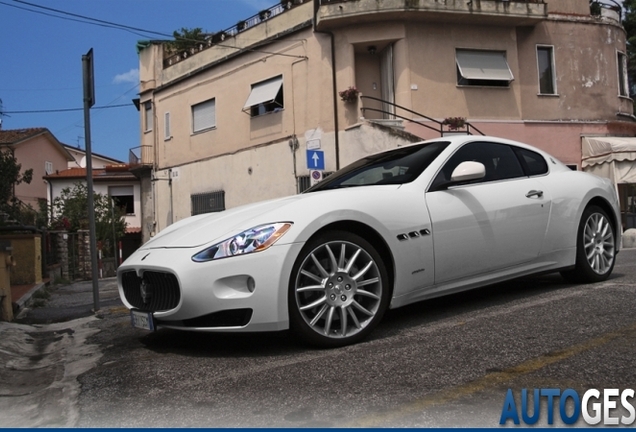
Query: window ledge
268	113
548	95
202	131
464	86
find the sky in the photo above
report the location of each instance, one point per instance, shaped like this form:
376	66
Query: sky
41	47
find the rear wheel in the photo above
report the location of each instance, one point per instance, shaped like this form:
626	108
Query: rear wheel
595	248
338	290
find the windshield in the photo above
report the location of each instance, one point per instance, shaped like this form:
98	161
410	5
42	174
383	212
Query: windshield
399	166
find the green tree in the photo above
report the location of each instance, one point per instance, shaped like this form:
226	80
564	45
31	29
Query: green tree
186	38
11	175
70	211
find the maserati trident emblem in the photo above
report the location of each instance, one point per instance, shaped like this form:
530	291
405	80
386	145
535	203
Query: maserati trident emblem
144	290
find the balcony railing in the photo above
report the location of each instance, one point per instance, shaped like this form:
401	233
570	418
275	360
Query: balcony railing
338	13
219	37
141	155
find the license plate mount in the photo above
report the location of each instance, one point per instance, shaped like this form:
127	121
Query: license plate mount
142	320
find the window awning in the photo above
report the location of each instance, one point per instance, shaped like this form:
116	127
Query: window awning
610	157
264	92
120	191
483	65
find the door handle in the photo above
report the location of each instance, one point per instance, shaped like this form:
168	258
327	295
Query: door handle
534	193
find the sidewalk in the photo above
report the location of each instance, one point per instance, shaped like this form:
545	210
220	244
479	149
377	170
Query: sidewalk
65	302
21	294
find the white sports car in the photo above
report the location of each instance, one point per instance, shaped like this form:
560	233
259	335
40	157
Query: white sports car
394	228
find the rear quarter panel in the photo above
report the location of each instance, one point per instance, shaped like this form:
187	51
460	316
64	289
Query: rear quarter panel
572	192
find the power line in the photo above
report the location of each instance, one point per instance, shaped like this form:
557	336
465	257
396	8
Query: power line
94	20
109	24
65	109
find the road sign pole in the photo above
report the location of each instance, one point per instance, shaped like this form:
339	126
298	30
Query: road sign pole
89	101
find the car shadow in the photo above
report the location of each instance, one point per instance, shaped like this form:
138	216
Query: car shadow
394	322
449	306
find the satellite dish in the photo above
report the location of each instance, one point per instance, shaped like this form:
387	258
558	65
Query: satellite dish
82	162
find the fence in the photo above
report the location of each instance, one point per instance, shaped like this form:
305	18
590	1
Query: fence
71	252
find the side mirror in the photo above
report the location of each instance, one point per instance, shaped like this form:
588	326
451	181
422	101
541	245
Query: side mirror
467	171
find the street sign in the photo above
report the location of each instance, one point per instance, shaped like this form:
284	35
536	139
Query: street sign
315	176
316	160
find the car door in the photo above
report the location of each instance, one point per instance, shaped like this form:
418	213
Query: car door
494	223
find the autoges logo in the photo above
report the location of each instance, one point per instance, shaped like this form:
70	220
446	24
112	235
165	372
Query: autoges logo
606	406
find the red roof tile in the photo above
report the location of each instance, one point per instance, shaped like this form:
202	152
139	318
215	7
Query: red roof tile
11	136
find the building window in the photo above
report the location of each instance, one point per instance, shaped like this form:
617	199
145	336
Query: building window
482	68
622	75
166	126
208	202
48	168
545	61
304	182
124	197
265	97
204	116
148	117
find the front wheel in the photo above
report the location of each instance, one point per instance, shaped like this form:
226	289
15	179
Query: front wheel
595	248
338	290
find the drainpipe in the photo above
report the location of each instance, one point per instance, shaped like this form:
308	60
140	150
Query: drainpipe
333	80
50	201
171	205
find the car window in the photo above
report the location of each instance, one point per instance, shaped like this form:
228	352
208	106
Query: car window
499	160
402	165
533	162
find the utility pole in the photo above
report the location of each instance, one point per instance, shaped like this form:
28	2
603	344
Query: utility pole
89	101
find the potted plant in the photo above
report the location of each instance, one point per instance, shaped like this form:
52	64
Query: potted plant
350	94
240	26
454	123
264	14
219	37
287	4
595	8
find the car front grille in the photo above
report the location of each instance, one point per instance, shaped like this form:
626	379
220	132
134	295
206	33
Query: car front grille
156	291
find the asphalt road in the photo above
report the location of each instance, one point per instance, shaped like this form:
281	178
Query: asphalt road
447	362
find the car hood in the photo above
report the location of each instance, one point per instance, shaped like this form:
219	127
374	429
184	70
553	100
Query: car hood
202	229
301	210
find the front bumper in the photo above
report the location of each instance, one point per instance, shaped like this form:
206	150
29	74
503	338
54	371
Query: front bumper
214	296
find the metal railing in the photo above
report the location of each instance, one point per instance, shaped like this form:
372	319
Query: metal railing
220	36
141	155
440	125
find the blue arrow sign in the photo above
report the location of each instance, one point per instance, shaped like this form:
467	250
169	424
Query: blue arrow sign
316	160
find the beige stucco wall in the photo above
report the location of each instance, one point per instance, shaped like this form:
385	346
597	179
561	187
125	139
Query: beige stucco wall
425	81
33	154
27	254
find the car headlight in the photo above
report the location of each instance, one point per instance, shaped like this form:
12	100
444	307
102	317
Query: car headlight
255	239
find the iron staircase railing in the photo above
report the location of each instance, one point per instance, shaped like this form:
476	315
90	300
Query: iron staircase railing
440	125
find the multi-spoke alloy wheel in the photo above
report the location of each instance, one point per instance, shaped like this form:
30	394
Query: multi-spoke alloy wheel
595	247
338	290
598	240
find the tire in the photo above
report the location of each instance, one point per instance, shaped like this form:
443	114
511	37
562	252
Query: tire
338	290
595	248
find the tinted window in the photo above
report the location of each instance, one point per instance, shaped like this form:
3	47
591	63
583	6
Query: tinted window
534	163
499	160
402	165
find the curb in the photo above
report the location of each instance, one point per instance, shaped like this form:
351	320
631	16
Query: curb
26	298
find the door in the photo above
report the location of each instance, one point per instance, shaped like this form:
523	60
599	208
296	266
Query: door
497	222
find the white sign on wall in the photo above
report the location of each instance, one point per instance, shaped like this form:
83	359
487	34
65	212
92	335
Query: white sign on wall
315	176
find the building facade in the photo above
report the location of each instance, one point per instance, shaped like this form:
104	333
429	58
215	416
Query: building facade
246	113
37	149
